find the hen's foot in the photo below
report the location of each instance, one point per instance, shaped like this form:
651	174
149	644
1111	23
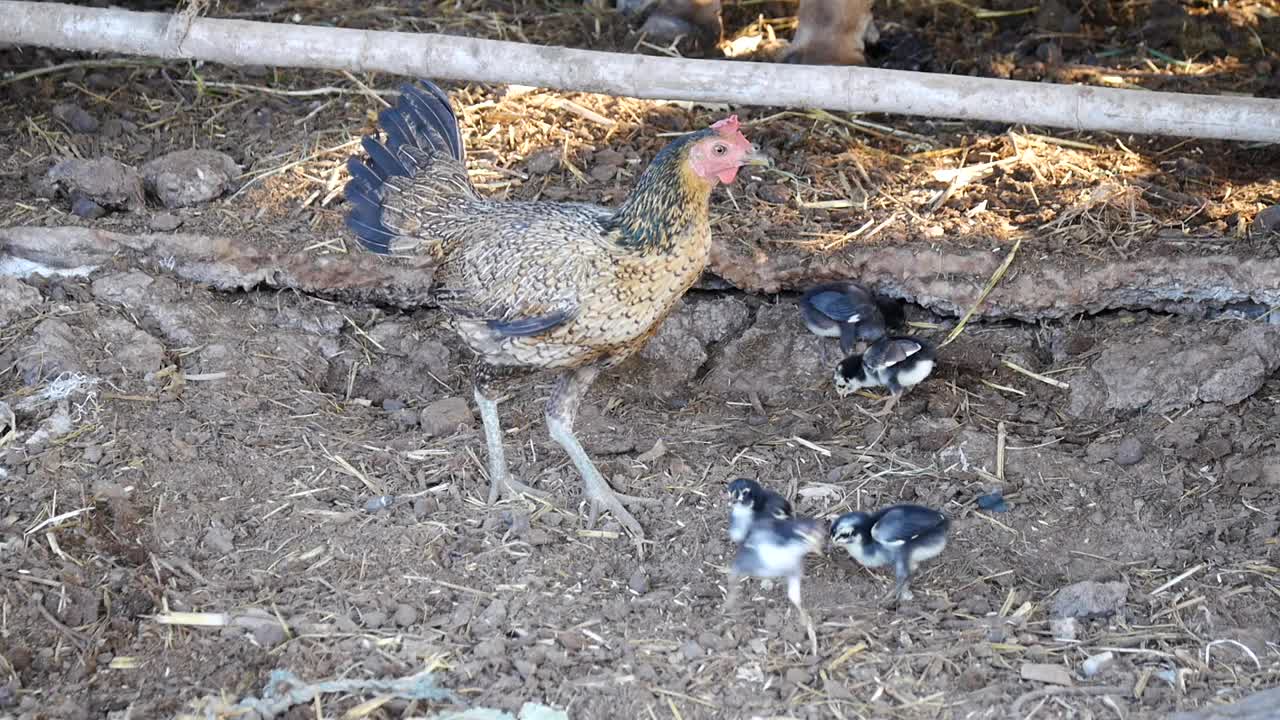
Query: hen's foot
508	488
603	497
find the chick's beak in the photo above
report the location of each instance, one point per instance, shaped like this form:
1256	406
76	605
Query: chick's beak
756	157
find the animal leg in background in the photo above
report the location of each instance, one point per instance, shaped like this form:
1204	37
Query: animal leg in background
562	410
501	484
832	32
668	20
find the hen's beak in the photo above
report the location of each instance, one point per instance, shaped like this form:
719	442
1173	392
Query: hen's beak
756	157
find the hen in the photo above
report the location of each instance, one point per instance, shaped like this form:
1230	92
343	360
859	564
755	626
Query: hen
534	285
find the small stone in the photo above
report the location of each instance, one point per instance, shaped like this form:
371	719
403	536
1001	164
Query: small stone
1095	664
76	118
494	647
374	618
392	405
639	582
1129	452
1064	629
1090	599
1047	673
444	417
405	615
16	298
617	610
93	454
571	641
775	194
165	222
691	650
543	161
1098	450
268	634
190	177
218	539
405	418
105	181
797	676
1267	221
538	536
83	207
379	503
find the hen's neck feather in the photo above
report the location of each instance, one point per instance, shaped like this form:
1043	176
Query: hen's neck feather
667	200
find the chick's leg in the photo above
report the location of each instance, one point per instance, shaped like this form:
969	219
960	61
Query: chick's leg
888	406
793	594
903	588
501	484
562	409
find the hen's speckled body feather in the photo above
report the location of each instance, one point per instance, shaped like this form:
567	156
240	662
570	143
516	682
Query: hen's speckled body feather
533	284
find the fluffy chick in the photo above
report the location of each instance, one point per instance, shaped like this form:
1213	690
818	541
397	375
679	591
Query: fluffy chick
900	535
897	363
750	503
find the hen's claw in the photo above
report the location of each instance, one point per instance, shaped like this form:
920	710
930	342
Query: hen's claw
603	497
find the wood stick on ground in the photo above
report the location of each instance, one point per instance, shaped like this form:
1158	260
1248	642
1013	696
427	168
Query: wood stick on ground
849	89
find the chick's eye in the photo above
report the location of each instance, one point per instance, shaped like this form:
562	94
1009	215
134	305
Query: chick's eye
719	149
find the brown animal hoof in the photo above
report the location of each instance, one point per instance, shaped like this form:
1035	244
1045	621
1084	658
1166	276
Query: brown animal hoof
668	29
832	32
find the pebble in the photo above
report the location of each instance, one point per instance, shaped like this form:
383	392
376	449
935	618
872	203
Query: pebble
392	405
165	222
691	650
268	635
775	194
639	582
83	207
1095	664
1267	221
1090	599
1129	452
219	540
76	118
93	454
405	615
374	618
543	161
443	417
797	676
379	503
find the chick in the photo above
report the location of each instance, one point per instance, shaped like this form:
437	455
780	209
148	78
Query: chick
901	535
897	363
848	311
776	548
752	503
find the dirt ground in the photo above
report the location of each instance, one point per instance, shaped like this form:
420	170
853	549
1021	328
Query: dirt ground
290	467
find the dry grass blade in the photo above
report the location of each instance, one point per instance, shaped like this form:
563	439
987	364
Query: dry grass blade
1036	376
991	285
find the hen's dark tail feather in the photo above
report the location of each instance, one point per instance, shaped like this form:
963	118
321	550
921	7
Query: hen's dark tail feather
421	124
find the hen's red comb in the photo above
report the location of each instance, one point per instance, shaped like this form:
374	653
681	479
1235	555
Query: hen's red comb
727	126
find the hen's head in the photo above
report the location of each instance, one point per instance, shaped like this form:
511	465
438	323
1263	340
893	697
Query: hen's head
717	152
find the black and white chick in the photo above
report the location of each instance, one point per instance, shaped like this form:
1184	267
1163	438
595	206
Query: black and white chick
895	362
903	536
848	311
750	502
773	549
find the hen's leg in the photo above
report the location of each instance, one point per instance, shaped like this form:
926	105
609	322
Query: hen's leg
562	409
501	484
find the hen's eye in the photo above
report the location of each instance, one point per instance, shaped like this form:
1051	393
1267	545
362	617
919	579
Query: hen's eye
720	149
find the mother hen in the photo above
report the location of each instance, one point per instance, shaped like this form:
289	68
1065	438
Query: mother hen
538	285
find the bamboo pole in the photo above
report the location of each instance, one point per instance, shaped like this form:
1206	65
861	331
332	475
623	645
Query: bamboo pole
849	89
